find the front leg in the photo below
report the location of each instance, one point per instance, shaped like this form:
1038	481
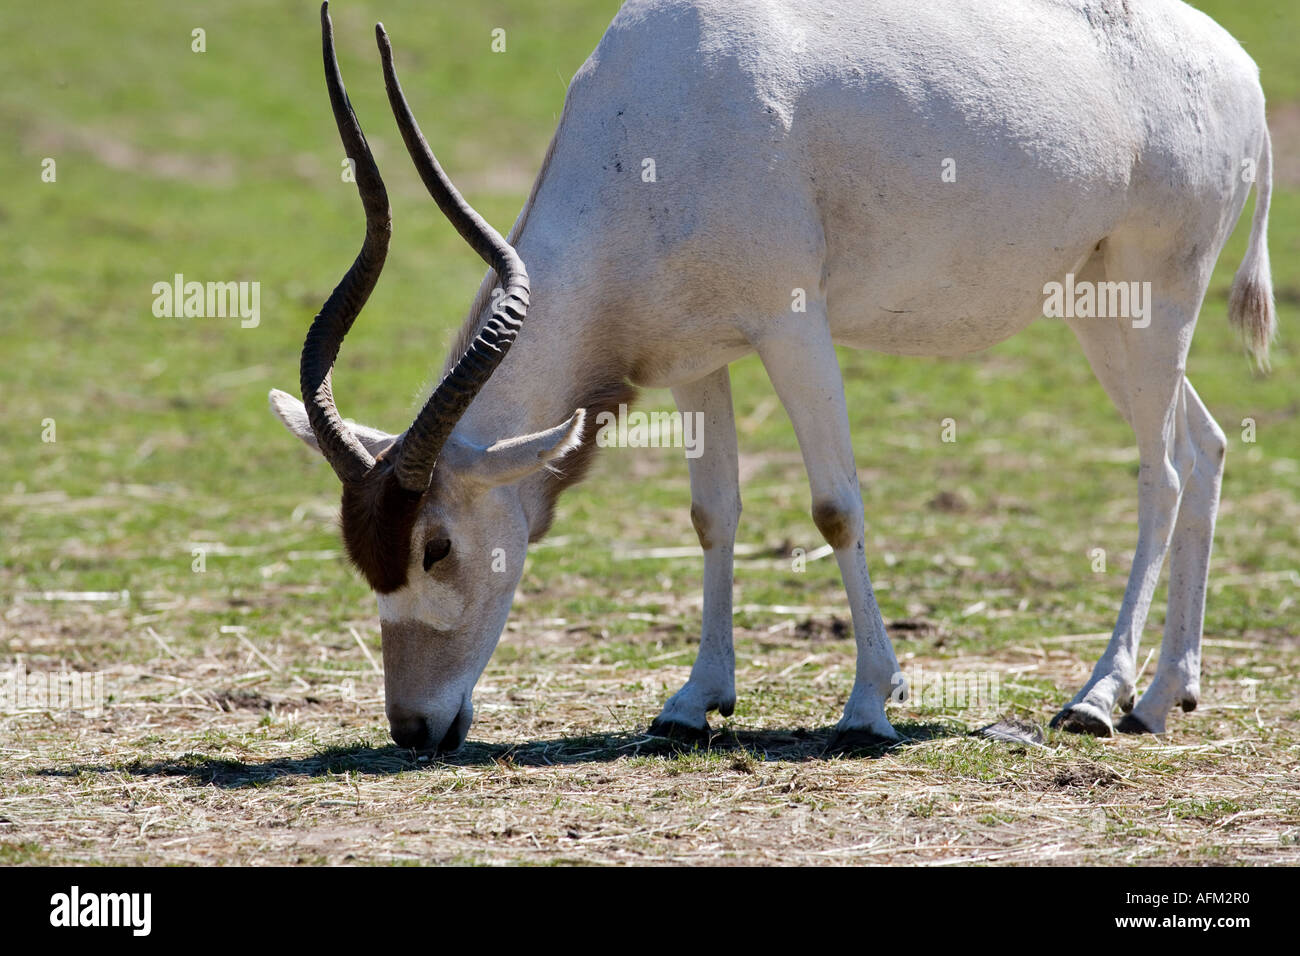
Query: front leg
799	357
715	512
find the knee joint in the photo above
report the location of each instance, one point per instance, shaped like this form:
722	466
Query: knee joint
714	525
840	524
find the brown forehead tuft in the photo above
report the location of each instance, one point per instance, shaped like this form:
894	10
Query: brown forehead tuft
377	517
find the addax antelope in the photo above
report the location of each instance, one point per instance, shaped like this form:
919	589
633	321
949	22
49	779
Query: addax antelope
801	145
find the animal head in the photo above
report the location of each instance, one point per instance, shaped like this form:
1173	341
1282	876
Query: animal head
433	521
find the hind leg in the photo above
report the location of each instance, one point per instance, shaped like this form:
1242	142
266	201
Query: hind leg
1142	368
1177	677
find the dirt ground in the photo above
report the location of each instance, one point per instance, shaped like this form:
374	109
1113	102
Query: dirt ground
230	753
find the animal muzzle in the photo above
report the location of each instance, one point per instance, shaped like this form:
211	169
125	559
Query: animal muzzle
429	678
421	732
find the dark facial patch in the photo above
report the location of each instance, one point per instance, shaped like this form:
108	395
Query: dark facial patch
377	517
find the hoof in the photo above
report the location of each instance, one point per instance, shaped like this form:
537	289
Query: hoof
681	733
1188	704
727	708
1082	719
858	740
1131	725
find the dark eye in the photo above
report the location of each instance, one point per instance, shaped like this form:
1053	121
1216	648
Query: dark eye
435	551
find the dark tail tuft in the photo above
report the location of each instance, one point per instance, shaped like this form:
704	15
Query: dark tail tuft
1250	303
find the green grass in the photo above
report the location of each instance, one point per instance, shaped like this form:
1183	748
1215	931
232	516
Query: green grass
165	419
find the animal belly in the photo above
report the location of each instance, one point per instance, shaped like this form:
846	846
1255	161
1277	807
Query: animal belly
933	334
924	310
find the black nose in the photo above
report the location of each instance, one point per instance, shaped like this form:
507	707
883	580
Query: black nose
455	735
415	733
412	732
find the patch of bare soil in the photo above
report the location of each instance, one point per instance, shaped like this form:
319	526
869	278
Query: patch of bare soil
214	752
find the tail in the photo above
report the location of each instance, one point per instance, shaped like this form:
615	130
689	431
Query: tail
1250	303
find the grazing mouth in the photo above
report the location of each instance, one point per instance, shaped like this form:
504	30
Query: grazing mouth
415	733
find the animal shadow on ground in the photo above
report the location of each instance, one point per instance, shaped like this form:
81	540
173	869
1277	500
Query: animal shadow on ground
796	745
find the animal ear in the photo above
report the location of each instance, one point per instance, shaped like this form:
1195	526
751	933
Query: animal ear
291	411
511	459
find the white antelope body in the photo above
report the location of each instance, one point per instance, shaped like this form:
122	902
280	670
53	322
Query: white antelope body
915	176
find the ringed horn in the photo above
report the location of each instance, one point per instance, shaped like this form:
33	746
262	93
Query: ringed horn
413	458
